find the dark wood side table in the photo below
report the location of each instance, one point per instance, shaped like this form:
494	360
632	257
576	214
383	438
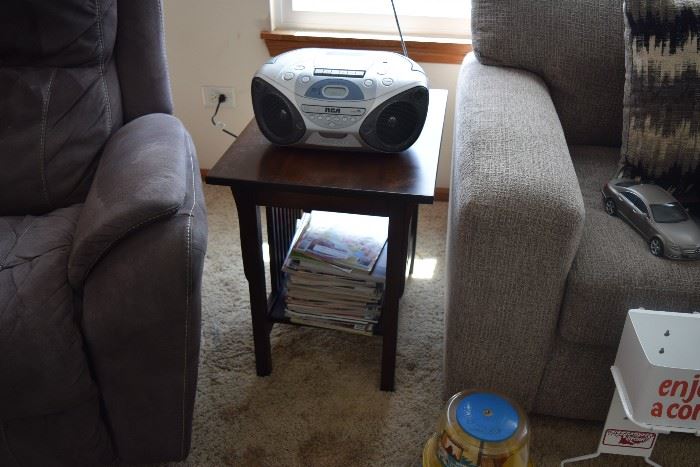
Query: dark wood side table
287	180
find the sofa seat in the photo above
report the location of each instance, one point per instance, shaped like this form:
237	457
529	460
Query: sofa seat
44	370
613	270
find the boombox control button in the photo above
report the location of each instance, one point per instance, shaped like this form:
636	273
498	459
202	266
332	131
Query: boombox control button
288	76
387	81
299	67
369	83
305	79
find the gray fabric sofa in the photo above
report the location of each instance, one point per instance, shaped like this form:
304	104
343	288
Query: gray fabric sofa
539	277
102	238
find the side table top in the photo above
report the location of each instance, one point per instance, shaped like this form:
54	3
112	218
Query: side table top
252	159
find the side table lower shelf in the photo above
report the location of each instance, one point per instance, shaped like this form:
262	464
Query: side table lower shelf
268	309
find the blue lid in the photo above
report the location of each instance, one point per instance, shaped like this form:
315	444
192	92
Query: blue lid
487	417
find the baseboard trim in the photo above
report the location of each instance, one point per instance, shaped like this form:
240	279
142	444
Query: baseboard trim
442	194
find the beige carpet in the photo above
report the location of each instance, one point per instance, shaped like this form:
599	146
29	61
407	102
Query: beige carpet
321	406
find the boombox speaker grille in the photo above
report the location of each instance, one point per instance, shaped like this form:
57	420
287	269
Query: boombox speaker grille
396	124
278	119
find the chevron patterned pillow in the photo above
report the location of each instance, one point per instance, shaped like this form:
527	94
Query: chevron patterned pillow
661	127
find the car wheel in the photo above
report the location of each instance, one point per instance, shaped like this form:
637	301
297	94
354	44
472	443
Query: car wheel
610	206
656	247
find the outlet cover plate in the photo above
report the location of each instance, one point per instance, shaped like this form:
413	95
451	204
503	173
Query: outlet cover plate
210	96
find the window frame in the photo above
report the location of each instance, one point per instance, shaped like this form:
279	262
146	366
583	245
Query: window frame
284	18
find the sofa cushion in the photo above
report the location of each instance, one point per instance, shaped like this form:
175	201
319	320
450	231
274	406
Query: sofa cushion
59	100
43	368
661	126
613	270
574	46
577	382
73	437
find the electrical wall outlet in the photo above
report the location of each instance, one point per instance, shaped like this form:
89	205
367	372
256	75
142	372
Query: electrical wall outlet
210	96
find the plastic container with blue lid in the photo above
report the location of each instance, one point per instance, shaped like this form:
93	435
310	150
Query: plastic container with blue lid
480	428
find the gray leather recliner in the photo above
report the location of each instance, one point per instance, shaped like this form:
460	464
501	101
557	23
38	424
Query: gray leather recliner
102	238
539	277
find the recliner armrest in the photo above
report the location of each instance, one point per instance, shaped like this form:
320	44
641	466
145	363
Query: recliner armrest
141	178
516	219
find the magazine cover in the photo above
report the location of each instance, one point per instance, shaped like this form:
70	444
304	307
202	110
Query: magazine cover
347	240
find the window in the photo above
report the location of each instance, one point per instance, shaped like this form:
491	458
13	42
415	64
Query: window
443	18
669	213
638	203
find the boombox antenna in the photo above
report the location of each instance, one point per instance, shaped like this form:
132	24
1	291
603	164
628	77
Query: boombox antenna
396	17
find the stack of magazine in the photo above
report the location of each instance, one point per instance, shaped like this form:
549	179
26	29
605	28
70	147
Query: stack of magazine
336	270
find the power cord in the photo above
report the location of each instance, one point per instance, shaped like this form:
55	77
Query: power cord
221	125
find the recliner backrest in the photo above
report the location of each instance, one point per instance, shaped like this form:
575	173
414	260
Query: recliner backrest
59	100
141	60
576	47
71	73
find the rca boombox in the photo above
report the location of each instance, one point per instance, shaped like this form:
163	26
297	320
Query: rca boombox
344	99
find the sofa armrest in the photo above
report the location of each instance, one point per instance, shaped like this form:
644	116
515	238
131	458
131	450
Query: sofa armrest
515	220
141	178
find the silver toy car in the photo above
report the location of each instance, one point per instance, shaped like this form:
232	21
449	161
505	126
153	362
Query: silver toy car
657	215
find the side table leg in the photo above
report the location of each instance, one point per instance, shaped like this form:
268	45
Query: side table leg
395	279
254	267
414	236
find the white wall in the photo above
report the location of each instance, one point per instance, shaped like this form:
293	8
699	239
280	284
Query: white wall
217	42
